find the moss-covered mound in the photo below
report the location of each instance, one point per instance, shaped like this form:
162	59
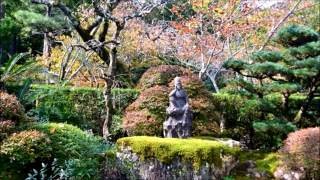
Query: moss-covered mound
147	114
160	75
199	151
195	151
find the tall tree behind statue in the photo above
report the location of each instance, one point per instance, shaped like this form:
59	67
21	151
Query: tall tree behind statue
102	35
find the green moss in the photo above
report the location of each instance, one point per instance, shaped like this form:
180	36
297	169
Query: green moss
265	161
196	151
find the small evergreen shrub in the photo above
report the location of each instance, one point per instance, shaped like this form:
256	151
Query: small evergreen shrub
26	147
67	138
239	112
49	172
302	149
79	152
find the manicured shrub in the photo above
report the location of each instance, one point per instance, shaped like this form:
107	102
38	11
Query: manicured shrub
146	115
11	114
79	152
160	75
302	149
67	138
10	108
26	147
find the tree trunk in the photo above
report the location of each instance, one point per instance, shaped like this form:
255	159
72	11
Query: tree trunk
285	104
213	81
306	104
222	123
2	86
109	78
47	47
1	9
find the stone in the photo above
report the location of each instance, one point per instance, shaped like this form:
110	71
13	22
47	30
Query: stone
178	169
288	174
179	121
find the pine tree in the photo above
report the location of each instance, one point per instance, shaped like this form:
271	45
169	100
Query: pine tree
294	69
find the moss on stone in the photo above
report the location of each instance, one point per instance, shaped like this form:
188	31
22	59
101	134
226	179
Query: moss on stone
265	161
195	151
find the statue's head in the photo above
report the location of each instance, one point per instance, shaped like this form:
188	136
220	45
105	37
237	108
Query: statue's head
177	83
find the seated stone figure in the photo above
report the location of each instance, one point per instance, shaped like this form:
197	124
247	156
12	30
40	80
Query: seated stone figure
179	113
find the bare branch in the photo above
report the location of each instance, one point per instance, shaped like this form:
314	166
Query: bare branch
158	36
274	29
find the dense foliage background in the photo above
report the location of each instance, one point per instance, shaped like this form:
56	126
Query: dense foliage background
76	76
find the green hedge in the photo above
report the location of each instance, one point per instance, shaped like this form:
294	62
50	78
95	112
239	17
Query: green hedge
83	107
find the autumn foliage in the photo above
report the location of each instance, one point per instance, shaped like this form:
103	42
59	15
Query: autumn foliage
11	113
10	107
302	149
145	115
160	75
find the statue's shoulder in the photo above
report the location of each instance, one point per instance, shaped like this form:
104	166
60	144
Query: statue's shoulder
172	93
179	94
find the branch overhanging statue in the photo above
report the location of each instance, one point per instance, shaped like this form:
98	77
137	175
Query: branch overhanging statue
179	121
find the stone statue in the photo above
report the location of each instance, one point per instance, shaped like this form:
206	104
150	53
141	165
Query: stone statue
179	121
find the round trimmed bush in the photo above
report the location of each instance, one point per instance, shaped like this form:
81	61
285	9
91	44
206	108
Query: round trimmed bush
10	108
26	147
68	138
302	149
11	114
160	75
147	114
80	152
